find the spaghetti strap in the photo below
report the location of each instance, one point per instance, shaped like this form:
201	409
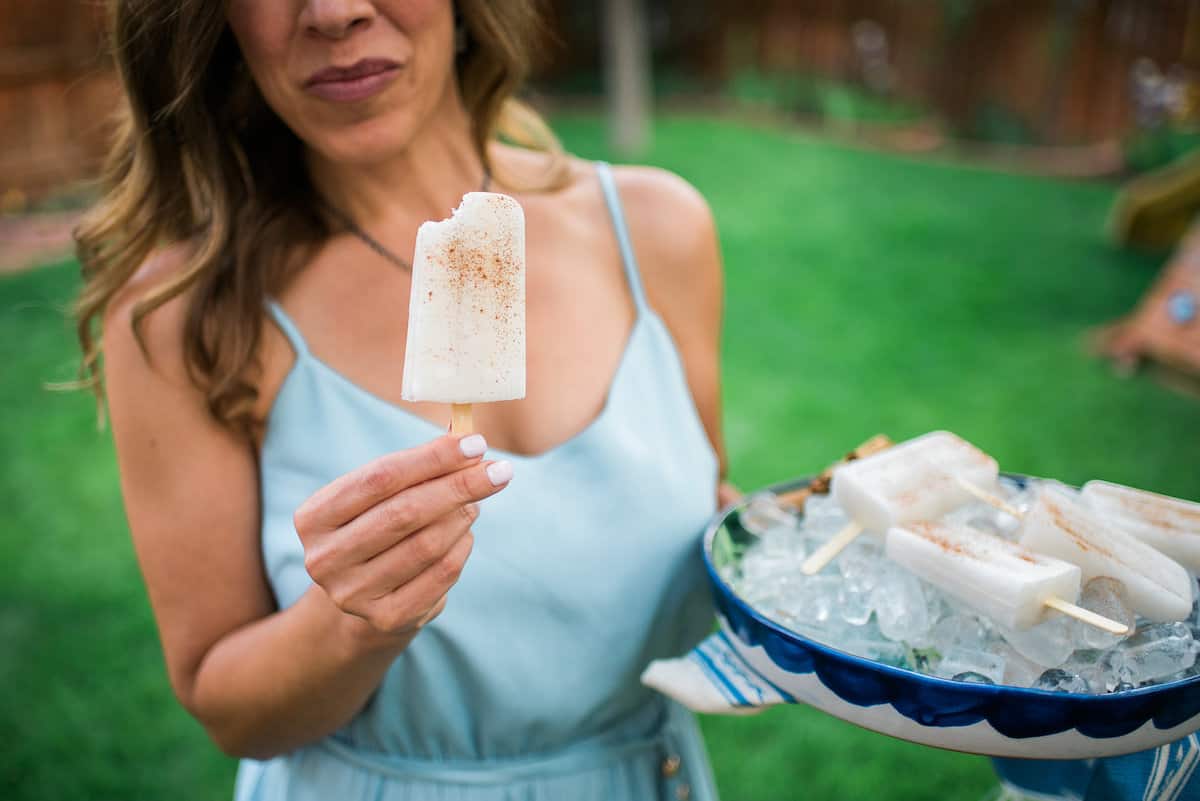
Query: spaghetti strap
615	211
289	328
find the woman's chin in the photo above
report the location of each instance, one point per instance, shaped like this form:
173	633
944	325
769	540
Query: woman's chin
360	148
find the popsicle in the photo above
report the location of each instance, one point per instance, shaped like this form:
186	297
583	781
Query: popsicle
1060	525
921	479
1168	524
1008	583
820	484
466	324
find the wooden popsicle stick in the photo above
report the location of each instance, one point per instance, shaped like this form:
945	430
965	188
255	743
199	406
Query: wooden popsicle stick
1087	616
827	552
1066	607
988	497
462	421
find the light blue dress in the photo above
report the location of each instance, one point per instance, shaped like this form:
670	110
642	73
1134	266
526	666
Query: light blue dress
585	569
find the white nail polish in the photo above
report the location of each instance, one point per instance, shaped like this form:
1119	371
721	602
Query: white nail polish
472	446
500	473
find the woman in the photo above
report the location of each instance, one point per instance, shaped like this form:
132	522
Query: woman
357	604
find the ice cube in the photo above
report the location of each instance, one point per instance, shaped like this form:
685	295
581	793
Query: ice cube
823	517
876	648
959	630
957	660
1049	643
861	565
1156	652
775	557
901	607
1105	596
812	600
783	541
940	605
854	606
763	512
767	592
1095	667
1194	670
1018	671
1061	681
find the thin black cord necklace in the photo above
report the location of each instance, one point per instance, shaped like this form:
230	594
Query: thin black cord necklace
374	244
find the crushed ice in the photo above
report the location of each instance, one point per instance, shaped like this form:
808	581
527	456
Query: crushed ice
863	604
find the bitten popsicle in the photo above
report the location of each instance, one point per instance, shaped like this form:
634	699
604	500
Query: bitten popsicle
466	324
1060	525
921	479
1167	524
1010	584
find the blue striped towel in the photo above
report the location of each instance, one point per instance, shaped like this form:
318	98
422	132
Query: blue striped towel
714	679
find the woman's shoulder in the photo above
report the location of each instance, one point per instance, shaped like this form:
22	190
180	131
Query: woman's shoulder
669	221
157	334
662	195
651	194
673	233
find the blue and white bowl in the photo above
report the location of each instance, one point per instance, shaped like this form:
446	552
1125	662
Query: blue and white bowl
975	718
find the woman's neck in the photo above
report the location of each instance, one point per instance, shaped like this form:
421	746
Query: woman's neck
424	181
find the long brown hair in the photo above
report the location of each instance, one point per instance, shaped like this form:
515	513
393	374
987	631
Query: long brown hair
199	158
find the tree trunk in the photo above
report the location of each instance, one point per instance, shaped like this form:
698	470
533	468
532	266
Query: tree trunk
627	68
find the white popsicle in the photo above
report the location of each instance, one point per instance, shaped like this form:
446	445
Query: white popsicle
1008	583
466	325
1060	525
921	479
1168	524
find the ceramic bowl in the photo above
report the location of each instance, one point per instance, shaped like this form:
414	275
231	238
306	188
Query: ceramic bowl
993	720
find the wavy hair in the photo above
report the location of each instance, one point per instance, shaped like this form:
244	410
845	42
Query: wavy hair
199	158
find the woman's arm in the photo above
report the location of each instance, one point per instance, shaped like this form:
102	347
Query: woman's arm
677	249
264	681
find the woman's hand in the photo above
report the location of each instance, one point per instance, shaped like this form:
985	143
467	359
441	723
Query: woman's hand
388	541
726	494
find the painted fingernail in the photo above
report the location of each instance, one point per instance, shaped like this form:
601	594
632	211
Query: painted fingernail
500	473
472	446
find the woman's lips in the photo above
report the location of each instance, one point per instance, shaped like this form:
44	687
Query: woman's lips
350	84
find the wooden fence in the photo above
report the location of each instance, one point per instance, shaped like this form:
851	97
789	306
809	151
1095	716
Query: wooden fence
57	91
1064	69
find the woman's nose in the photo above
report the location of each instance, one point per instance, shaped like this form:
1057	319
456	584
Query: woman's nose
337	19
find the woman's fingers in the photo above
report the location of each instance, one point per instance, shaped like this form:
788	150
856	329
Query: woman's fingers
360	585
356	492
418	553
378	529
388	541
416	602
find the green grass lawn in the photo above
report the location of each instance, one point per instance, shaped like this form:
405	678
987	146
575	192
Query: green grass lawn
865	293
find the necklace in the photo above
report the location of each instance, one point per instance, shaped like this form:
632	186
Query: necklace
374	244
